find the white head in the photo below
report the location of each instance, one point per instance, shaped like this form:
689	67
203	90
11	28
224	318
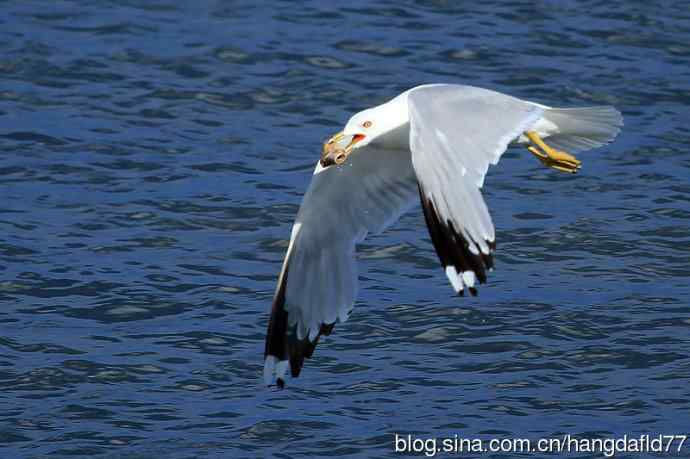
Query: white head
363	128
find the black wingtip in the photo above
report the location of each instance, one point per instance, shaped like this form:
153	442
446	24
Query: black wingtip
281	340
280	383
453	247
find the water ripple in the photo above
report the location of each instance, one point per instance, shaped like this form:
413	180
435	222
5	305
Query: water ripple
154	157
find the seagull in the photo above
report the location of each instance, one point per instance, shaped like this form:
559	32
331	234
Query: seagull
431	144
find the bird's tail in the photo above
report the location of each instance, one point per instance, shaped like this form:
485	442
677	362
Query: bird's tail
583	128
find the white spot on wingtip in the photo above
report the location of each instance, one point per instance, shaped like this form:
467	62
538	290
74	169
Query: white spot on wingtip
468	278
454	278
281	369
301	331
269	368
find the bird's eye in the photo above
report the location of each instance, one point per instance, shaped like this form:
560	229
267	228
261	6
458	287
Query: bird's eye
367	124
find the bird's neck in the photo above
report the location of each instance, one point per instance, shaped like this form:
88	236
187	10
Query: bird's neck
397	134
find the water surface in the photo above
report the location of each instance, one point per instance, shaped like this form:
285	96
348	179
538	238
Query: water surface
154	155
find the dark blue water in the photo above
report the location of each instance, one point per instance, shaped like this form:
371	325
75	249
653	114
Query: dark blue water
153	157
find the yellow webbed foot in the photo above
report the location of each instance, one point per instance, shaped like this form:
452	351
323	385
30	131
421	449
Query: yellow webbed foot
550	157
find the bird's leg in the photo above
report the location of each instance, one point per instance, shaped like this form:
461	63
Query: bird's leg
550	157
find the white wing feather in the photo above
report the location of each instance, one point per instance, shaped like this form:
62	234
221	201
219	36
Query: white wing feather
455	133
318	282
364	195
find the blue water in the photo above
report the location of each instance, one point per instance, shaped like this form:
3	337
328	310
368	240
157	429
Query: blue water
153	157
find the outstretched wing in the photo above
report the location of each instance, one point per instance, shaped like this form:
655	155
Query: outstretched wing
455	133
318	282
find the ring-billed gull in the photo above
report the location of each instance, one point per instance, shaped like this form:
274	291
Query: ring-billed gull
432	143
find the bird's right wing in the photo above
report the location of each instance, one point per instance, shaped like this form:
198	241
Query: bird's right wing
455	133
318	281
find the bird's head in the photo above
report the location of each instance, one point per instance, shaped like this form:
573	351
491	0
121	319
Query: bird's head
359	131
367	126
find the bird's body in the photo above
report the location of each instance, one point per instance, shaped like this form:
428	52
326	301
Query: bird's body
433	143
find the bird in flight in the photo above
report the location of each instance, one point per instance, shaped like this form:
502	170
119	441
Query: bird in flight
432	143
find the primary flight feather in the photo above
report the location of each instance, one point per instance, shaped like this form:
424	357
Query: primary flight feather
432	143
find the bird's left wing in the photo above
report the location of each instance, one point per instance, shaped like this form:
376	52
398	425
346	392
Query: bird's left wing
455	133
318	281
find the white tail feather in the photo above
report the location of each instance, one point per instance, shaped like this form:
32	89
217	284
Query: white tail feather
583	128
